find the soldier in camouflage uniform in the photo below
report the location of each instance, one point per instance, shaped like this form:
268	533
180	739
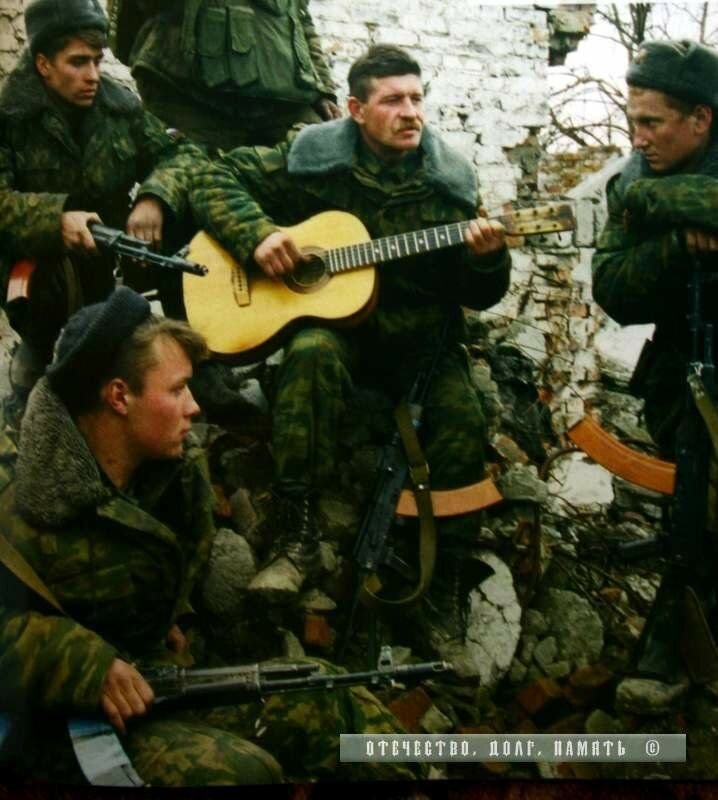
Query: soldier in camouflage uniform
663	203
395	175
106	533
662	209
226	72
72	146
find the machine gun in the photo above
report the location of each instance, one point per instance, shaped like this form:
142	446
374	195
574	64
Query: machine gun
177	686
686	597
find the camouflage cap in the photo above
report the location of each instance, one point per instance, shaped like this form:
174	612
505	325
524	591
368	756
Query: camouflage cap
682	69
46	19
92	337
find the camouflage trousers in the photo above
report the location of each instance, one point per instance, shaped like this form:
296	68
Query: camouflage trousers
226	746
315	383
241	744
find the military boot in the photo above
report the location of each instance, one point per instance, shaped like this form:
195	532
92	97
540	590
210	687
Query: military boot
294	555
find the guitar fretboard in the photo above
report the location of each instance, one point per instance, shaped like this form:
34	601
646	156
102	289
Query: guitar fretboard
388	248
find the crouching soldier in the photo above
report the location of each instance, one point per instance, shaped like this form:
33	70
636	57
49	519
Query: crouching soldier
105	535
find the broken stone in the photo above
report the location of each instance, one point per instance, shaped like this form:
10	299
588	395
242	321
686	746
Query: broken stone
231	569
508	449
528	645
574	623
557	669
598	721
517	673
492	630
576	484
650	697
534	622
545	652
316	600
521	482
410	708
538	694
291	646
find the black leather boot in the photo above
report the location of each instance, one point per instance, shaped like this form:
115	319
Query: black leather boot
294	554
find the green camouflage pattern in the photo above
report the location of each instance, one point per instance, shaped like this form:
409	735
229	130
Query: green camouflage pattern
123	567
222	95
48	167
640	269
243	198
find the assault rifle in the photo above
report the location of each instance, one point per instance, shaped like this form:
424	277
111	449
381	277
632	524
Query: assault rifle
126	246
686	597
374	547
228	685
99	752
117	242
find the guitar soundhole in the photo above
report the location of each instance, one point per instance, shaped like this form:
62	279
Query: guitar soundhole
308	276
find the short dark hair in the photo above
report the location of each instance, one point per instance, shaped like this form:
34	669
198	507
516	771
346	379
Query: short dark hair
90	36
379	61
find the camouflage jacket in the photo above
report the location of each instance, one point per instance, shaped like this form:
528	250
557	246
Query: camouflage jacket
45	170
121	566
252	48
640	269
247	195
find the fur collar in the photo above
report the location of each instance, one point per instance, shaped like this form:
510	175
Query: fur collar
331	147
51	447
23	93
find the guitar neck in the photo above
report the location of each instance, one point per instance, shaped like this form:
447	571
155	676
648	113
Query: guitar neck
541	219
389	248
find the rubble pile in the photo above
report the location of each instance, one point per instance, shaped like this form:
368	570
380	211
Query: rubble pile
548	636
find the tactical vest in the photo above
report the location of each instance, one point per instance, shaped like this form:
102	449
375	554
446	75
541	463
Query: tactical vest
258	46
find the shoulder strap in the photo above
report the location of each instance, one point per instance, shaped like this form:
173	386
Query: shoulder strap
21	569
419	473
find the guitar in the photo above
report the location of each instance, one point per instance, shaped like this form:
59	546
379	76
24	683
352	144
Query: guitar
246	315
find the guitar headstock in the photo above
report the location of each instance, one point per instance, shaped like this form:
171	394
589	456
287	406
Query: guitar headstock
547	218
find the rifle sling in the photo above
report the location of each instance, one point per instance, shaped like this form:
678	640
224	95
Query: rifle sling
97	747
419	473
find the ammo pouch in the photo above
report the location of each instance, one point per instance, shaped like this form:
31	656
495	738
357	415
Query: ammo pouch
258	46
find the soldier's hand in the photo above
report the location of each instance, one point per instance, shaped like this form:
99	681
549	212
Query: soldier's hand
76	234
277	254
145	221
701	241
125	694
328	109
176	640
485	236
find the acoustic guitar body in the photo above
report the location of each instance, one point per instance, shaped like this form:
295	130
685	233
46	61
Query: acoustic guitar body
244	315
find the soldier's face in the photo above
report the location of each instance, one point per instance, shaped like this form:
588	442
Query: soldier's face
73	74
667	137
392	117
160	416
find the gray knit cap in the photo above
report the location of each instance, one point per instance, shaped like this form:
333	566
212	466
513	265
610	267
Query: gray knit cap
47	19
682	69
